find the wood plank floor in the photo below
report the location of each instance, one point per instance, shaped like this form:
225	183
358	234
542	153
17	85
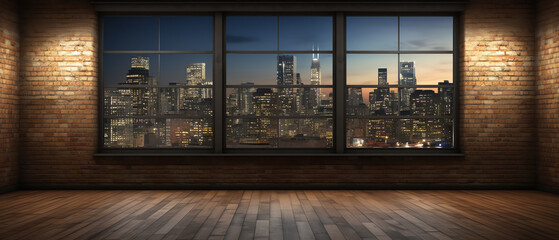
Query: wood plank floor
275	214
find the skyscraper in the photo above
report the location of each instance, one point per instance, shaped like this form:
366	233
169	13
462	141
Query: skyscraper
407	77
286	75
379	99
195	75
446	98
287	97
316	95
382	77
138	74
245	98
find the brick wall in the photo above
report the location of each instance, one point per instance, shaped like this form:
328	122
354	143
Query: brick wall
548	94
9	54
59	120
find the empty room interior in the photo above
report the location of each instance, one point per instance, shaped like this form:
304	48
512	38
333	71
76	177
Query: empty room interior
314	119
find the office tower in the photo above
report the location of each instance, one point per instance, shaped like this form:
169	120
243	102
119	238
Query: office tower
286	75
245	98
299	105
407	77
195	73
316	94
446	97
143	99
169	100
424	103
446	100
118	131
140	62
263	129
287	97
355	97
379	99
382	76
191	97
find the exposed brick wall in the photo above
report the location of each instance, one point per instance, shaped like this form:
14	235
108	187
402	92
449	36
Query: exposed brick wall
9	54
548	94
59	120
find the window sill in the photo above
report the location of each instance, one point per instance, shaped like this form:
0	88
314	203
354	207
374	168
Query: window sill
279	155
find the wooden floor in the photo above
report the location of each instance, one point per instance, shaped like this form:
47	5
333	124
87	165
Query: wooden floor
275	214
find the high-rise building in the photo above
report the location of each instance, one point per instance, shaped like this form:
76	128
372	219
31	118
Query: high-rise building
195	73
380	99
140	62
446	96
424	103
191	97
263	128
286	75
407	77
138	74
245	98
382	76
316	95
446	100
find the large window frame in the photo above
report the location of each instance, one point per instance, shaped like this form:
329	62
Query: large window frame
339	89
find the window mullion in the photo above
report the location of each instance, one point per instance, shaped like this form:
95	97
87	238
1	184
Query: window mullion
218	83
339	68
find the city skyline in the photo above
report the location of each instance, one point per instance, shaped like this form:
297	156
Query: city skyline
276	117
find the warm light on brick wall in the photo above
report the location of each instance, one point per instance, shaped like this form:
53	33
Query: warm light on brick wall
548	94
497	116
9	54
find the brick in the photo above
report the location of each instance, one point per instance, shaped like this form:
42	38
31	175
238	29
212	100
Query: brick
9	81
547	37
498	76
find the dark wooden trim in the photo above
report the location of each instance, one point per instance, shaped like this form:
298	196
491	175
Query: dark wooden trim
303	6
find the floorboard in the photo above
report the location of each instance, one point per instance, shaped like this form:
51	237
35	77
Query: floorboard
279	214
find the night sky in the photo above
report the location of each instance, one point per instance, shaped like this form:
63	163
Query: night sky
194	33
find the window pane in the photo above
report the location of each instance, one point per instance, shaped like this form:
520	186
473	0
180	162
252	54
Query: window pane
372	33
253	68
399	133
130	69
157	133
251	33
426	33
305	33
372	69
425	69
130	33
186	69
187	33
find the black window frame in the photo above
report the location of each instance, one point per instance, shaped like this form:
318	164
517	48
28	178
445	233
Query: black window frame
339	89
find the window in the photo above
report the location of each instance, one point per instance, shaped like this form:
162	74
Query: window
276	86
158	87
400	89
279	82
